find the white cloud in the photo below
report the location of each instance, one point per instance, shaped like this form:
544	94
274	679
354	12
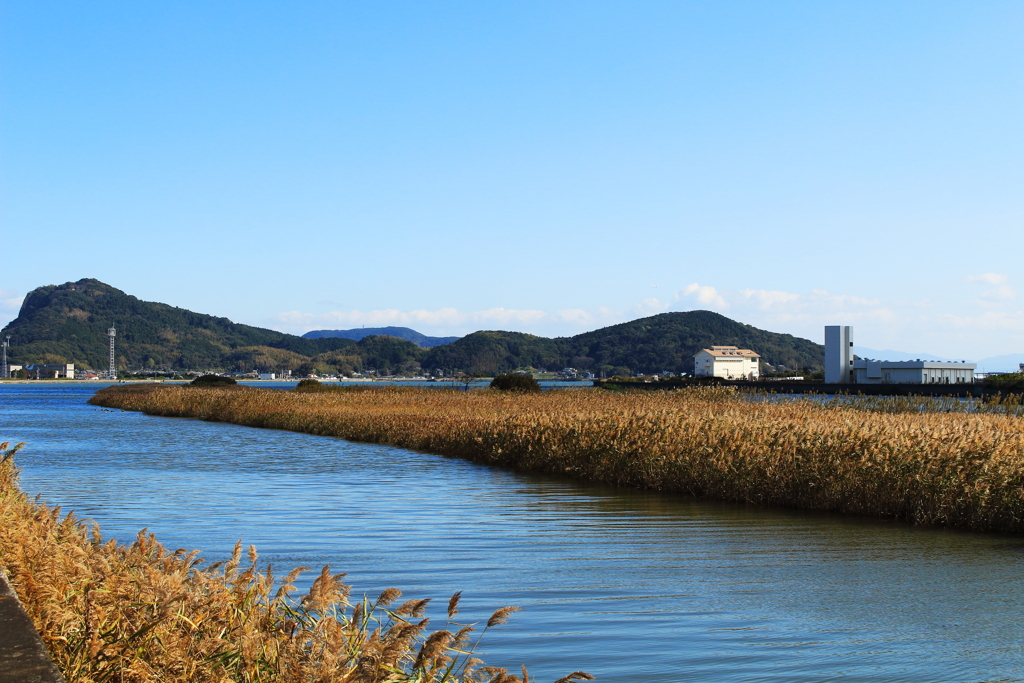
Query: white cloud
999	292
705	295
766	298
385	317
10	301
649	306
993	321
987	278
911	326
451	320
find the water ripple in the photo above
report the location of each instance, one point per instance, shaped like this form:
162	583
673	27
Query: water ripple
627	585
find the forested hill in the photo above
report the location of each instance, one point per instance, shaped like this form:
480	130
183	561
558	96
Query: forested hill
417	338
667	341
68	324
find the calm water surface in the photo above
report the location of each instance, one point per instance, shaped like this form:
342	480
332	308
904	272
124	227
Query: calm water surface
628	586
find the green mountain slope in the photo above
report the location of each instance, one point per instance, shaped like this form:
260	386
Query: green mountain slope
68	324
493	352
406	333
667	341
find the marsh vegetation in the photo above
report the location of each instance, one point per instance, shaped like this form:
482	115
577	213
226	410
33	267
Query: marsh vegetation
139	612
899	459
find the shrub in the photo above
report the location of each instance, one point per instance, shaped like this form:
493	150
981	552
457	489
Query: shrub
212	381
515	382
308	385
1010	382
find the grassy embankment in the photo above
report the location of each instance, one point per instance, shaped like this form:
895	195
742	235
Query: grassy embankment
140	613
877	457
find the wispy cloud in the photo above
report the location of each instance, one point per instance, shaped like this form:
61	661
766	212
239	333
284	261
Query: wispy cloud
766	298
432	318
913	326
999	291
10	301
454	321
704	294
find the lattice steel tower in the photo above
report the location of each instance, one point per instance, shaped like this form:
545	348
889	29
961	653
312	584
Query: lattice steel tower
112	373
7	368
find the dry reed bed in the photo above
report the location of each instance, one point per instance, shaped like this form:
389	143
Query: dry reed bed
953	469
140	613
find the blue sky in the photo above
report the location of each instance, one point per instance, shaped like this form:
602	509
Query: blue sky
549	167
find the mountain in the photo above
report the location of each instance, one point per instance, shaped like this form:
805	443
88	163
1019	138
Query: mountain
492	352
667	341
68	323
1010	362
406	333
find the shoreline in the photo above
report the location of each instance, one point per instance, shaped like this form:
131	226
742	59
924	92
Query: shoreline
947	469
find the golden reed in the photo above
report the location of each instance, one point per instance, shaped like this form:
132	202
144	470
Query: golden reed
956	469
140	613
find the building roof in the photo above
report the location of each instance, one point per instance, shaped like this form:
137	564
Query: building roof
926	364
730	351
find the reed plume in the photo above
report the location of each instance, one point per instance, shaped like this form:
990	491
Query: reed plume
140	613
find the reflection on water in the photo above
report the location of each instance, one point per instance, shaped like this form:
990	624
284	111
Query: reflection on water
627	585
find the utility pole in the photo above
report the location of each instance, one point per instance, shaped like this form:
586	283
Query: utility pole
7	371
112	372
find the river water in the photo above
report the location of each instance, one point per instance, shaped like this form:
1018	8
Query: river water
629	586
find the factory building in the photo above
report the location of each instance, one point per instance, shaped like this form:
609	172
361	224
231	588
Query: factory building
842	368
48	370
912	372
729	362
838	354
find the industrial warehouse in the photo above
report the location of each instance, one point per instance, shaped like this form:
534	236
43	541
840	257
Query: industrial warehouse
841	367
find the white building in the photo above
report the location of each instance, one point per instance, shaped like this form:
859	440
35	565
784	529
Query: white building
838	354
268	375
842	368
729	362
912	372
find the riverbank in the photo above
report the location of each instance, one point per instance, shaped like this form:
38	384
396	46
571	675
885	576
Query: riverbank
959	470
140	612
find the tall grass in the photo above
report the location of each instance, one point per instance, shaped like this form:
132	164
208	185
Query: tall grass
994	404
962	470
142	613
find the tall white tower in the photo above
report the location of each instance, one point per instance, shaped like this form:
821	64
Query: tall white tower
838	354
112	372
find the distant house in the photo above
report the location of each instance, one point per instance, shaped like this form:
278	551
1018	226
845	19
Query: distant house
729	362
268	375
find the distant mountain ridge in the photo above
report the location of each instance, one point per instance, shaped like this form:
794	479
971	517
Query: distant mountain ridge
68	324
889	354
417	338
667	341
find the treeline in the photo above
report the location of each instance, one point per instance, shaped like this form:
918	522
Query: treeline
68	324
665	342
